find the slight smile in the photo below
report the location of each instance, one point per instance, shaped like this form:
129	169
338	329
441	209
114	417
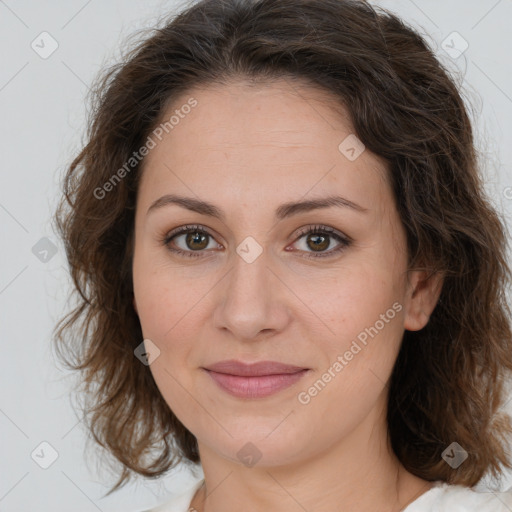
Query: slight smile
255	380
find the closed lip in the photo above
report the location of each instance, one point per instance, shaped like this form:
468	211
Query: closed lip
258	369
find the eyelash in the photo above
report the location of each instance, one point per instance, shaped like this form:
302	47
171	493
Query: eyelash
318	229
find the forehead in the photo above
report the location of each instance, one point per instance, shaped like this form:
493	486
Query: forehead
279	137
242	112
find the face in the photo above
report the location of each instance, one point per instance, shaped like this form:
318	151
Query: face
247	278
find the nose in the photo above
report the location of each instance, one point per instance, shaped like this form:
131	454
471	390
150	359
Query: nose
252	302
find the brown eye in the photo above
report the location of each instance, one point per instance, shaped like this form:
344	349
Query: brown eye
318	239
317	242
189	241
196	241
193	241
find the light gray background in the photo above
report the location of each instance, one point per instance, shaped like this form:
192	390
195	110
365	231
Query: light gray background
42	127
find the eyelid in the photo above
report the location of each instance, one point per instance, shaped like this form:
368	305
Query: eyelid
182	230
321	228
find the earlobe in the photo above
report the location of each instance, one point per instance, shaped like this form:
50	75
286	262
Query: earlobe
425	289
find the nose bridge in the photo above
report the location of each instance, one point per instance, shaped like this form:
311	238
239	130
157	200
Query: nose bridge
250	303
249	274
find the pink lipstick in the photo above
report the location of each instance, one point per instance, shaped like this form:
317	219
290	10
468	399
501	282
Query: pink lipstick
256	380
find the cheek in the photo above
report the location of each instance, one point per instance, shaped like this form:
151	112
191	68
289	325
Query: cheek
352	300
172	315
168	316
165	299
362	308
360	360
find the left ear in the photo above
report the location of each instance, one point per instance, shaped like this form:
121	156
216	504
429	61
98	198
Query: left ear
422	296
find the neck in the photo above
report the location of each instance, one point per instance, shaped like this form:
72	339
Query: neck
361	472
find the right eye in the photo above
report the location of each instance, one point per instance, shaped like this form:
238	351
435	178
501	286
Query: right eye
195	240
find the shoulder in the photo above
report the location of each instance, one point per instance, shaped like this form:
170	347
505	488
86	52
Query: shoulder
444	497
181	501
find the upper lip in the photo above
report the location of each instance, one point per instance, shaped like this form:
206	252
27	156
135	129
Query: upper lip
233	367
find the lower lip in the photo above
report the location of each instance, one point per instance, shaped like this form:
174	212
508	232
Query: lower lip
255	387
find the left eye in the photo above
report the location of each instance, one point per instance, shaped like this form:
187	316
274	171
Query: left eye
196	239
318	239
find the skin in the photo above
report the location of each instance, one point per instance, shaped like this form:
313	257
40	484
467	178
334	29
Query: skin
248	149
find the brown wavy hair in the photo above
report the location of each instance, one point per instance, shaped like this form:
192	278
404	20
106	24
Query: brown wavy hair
448	383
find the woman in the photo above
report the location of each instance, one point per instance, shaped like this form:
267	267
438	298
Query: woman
289	271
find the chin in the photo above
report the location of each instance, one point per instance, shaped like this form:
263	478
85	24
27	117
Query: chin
261	445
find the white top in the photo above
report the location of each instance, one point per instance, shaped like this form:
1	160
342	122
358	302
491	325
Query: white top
442	497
